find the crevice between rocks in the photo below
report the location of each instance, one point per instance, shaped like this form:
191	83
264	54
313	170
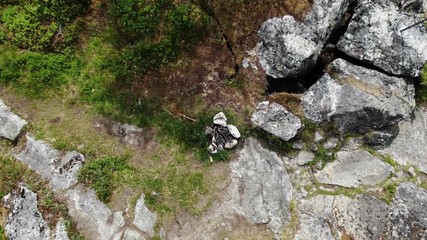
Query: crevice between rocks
330	52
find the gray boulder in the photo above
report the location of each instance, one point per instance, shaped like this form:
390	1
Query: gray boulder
60	170
409	147
378	33
289	47
144	219
25	220
262	188
357	99
352	169
10	123
408	212
275	119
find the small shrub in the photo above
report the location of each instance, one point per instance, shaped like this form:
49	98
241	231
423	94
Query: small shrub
32	73
43	25
390	192
100	175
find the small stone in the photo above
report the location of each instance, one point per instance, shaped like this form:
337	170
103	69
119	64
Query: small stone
233	131
318	137
220	119
298	145
231	144
10	123
331	143
303	158
411	171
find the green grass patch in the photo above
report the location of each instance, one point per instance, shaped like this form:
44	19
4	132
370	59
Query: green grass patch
10	174
2	236
348	192
390	192
101	175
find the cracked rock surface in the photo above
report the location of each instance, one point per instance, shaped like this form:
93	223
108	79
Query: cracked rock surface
380	33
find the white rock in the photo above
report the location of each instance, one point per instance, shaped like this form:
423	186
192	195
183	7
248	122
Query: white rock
234	131
231	144
220	119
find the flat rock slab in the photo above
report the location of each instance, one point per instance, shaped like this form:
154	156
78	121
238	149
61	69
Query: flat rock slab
408	212
362	217
59	169
410	145
262	188
92	217
275	119
353	169
357	99
25	220
144	219
10	124
289	47
378	33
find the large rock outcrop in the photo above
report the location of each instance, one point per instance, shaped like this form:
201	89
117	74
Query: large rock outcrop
352	169
25	220
59	169
289	47
10	123
275	119
262	190
409	147
380	33
357	99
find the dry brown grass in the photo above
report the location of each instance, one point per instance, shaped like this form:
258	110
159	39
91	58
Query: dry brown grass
290	101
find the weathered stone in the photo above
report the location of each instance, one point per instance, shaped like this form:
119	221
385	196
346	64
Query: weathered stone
352	169
128	134
378	33
331	143
275	119
144	219
131	234
61	231
303	158
357	99
289	47
92	217
364	217
60	171
263	190
25	220
408	213
220	119
409	147
234	131
10	123
318	137
313	228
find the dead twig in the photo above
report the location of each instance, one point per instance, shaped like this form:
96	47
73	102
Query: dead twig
168	112
189	118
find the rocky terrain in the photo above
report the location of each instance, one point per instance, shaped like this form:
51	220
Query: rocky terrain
352	163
